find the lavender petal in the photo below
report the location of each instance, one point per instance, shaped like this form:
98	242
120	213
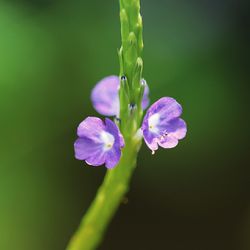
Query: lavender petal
112	128
145	99
113	157
85	147
90	127
105	96
168	142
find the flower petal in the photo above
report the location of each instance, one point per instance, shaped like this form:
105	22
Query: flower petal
153	145
105	96
90	127
177	128
112	128
85	147
113	157
145	99
97	159
89	146
168	142
167	107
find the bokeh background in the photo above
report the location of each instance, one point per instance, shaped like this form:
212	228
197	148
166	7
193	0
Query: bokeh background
195	196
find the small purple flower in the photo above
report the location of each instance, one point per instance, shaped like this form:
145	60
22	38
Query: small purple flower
105	96
162	124
98	142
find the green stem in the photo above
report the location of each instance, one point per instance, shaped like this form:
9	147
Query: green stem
107	200
116	181
131	65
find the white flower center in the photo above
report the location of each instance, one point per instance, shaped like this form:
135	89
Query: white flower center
108	140
153	121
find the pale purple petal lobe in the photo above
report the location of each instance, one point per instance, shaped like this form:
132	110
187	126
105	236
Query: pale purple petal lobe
168	142
85	147
96	159
113	129
105	96
91	126
145	99
113	157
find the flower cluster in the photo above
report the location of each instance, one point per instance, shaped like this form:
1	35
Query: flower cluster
100	143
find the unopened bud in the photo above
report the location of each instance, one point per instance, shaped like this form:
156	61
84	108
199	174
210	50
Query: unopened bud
143	82
123	78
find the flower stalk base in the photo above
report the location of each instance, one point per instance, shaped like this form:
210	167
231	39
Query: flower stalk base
107	200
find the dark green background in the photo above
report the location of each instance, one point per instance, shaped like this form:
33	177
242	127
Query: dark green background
195	196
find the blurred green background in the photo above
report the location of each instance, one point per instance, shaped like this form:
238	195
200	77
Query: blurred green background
195	196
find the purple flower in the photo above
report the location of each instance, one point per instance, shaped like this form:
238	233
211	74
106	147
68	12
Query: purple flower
98	142
162	125
105	96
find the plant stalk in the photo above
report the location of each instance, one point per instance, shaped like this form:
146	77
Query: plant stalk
117	180
106	202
